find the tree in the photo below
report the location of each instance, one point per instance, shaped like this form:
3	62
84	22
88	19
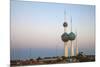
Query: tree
39	58
64	58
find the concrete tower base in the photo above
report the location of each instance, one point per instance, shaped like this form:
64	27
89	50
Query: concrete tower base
72	49
65	49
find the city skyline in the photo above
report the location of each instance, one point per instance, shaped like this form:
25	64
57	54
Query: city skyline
39	26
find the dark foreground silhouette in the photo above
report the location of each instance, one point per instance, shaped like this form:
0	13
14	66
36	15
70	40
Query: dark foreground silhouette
54	60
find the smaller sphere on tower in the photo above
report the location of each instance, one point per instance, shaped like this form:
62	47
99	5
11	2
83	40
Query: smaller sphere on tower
65	24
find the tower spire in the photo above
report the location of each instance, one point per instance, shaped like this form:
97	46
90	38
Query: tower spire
65	15
71	23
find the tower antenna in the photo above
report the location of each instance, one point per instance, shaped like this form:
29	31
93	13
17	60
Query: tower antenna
71	23
65	15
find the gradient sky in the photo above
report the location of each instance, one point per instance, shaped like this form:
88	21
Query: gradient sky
39	26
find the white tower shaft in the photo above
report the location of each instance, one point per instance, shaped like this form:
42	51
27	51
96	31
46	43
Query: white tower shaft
72	49
76	49
65	49
65	45
65	29
76	46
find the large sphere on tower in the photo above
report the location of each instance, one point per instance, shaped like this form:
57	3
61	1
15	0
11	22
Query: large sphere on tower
72	36
65	37
65	24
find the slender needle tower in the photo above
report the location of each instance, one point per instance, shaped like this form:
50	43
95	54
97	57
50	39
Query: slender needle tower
65	36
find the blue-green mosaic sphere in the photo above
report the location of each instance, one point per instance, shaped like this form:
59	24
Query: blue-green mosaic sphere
72	36
65	37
